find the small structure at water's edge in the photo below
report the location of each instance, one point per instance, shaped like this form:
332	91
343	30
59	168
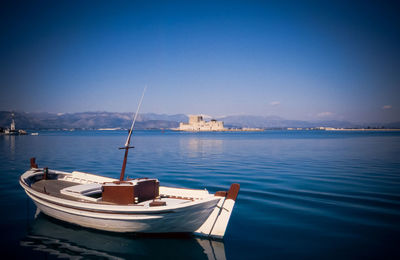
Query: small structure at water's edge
12	130
198	124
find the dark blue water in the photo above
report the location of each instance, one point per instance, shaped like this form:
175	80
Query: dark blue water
304	194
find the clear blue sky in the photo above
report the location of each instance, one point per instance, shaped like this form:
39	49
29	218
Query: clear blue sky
306	60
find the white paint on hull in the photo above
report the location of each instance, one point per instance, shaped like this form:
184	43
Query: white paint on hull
216	224
179	220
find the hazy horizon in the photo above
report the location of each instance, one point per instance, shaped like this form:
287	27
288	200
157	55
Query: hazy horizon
210	116
297	60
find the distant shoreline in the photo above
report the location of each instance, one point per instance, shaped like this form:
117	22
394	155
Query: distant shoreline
110	120
222	130
227	130
366	129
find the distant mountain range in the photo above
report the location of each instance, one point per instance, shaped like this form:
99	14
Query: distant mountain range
89	120
278	122
96	120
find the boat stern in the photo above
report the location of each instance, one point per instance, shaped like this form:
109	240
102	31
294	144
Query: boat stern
216	224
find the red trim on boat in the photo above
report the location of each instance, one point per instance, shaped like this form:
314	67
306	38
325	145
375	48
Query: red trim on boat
233	191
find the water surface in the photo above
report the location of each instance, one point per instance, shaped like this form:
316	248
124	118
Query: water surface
304	194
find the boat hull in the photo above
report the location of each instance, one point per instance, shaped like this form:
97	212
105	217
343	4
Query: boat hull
187	219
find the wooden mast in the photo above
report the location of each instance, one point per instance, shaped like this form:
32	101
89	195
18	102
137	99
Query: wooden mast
128	140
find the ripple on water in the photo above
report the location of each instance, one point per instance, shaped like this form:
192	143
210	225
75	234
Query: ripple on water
303	194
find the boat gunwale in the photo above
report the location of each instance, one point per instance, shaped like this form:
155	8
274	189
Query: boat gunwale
92	210
107	208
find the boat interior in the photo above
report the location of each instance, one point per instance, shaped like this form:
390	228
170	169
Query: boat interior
90	188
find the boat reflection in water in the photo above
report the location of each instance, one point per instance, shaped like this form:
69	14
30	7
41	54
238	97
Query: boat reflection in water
63	240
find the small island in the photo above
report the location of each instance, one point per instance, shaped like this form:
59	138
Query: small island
198	124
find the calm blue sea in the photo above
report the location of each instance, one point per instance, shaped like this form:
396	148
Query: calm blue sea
304	194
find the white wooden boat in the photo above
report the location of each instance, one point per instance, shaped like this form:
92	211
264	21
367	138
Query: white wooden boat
128	205
137	205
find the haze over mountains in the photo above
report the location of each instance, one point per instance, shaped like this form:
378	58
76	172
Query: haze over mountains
96	120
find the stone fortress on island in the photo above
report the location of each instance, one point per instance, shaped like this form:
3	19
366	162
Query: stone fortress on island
197	124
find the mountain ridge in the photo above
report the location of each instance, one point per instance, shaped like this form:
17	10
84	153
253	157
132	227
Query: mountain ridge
103	119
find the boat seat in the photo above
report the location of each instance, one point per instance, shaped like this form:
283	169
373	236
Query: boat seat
82	191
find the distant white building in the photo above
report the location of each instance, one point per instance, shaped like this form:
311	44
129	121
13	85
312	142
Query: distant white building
326	128
197	123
